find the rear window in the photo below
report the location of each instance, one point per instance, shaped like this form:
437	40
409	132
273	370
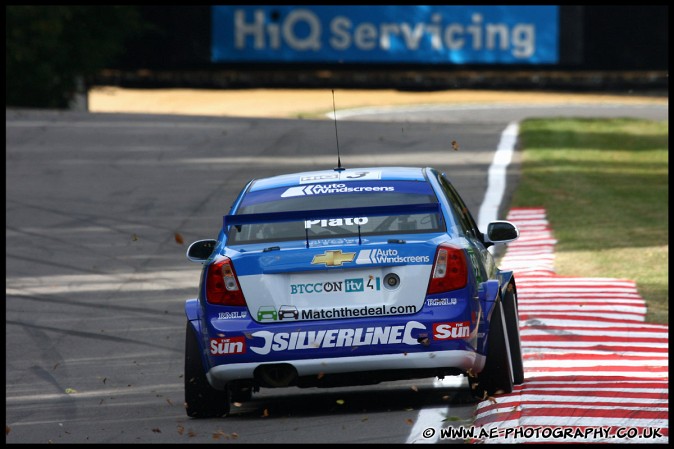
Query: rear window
335	196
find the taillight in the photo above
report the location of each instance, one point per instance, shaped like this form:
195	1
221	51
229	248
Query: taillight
222	286
450	271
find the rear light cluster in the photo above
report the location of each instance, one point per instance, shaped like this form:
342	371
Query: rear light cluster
450	271
222	287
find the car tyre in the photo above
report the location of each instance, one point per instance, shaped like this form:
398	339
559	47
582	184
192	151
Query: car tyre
496	377
512	320
201	399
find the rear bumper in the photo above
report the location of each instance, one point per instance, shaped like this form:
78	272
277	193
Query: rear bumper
220	375
444	337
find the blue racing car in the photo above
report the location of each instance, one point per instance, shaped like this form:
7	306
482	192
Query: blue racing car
349	277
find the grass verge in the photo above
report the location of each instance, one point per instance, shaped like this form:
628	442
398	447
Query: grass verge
604	185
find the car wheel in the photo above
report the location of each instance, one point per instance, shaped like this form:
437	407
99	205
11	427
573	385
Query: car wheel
496	377
201	400
513	327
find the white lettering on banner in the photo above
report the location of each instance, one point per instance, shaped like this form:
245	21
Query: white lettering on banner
519	38
256	30
310	42
336	338
242	29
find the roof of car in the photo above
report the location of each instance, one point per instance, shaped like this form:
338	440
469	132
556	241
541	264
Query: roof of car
348	174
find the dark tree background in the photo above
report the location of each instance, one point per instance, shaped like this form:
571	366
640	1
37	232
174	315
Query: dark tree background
49	49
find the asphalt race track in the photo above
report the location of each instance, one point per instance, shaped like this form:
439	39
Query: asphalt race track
100	209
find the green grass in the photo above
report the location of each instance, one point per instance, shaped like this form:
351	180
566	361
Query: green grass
604	185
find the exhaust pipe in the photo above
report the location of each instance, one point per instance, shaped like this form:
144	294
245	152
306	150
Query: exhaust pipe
276	375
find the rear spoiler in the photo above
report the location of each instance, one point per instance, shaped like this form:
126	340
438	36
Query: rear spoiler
347	212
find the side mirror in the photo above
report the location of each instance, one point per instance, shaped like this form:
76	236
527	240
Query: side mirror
502	232
201	250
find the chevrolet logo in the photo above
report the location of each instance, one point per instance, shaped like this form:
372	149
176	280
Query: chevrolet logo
333	258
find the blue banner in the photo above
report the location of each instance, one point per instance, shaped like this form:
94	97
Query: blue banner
386	34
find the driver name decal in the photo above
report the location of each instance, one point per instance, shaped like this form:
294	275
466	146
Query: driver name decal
336	222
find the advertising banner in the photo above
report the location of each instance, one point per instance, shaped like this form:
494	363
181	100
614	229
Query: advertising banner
408	34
